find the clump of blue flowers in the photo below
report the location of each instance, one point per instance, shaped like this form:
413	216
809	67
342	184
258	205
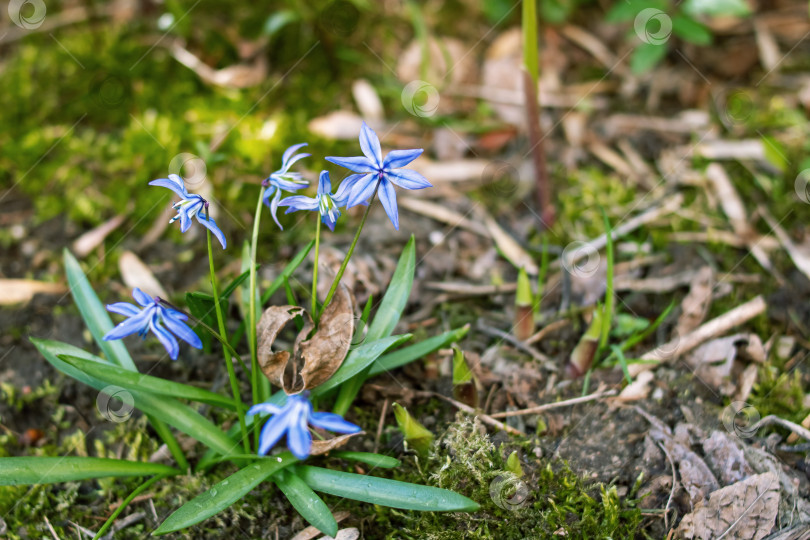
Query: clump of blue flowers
324	202
283	180
190	206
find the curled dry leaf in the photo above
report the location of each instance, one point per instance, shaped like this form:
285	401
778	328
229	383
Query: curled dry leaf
745	510
313	360
327	445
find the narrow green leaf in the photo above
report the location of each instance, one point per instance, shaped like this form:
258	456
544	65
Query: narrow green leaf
16	471
646	56
369	458
168	410
396	296
306	502
287	272
690	30
530	43
94	314
224	493
384	492
241	278
358	359
408	354
147	383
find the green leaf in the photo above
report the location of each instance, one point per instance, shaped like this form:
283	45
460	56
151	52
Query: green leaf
737	8
369	458
241	278
168	410
690	30
16	471
646	56
358	359
287	272
306	502
277	21
408	354
94	314
774	153
396	296
147	383
384	492
224	493
628	10
528	22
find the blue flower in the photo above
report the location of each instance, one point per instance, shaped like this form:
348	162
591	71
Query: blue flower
189	207
374	171
294	419
284	180
324	202
152	316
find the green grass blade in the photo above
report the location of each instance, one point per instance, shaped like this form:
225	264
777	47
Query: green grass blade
16	471
224	494
147	383
408	354
369	458
306	502
94	313
287	272
396	296
384	492
358	359
530	54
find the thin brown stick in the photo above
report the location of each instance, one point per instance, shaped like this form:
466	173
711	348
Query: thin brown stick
674	480
773	419
555	405
545	208
380	425
485	418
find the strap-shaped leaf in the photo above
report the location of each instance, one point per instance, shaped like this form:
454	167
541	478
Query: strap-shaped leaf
396	296
147	383
306	502
94	314
15	471
369	458
383	491
224	493
403	356
287	272
166	409
358	359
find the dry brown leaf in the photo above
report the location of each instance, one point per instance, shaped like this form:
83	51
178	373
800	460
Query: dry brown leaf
313	360
697	302
87	242
15	291
367	100
638	389
327	445
136	274
726	457
745	511
510	248
312	532
339	125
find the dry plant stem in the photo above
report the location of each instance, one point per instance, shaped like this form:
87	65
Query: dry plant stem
773	419
315	273
380	425
715	327
556	405
548	363
485	418
543	188
672	489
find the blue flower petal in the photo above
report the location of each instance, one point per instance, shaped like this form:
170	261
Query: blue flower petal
348	184
399	158
274	207
272	431
290	151
166	338
358	164
332	422
142	298
299	202
299	440
264	408
174	183
123	308
370	145
185	220
182	330
211	225
363	191
287	164
388	198
133	325
408	179
324	184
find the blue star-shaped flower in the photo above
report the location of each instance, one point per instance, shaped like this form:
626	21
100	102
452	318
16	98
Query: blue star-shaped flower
294	419
284	180
189	207
153	316
324	202
373	170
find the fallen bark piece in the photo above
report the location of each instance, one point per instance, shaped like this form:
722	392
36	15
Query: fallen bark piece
745	511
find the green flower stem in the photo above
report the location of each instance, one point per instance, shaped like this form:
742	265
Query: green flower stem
237	400
315	273
138	490
252	337
345	263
